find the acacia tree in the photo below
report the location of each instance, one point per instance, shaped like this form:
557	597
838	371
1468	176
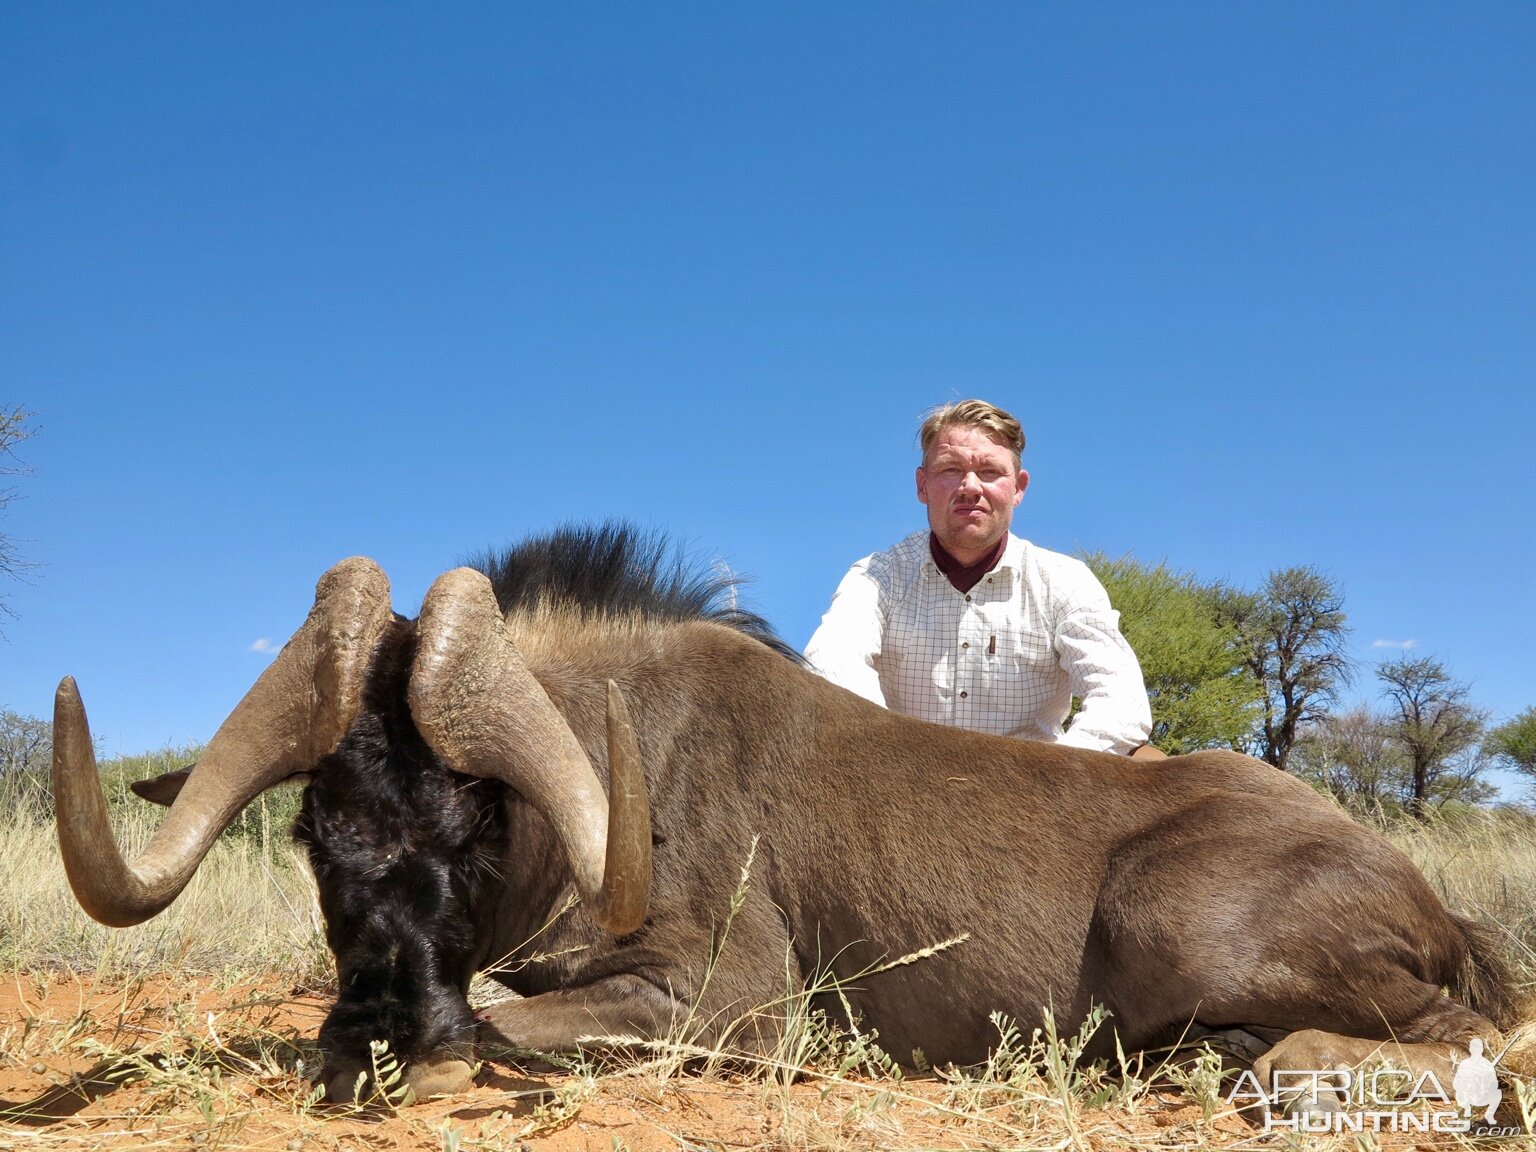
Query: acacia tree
26	743
1352	755
13	430
1438	728
1192	662
1357	755
1293	632
1513	743
26	748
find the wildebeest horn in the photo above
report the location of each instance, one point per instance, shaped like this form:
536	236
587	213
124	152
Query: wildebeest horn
295	713
480	708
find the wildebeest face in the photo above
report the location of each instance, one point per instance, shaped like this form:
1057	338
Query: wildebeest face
405	855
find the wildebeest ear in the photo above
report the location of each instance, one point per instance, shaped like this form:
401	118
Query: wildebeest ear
164	788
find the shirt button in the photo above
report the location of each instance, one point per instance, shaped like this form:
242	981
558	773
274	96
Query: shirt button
967	599
965	643
963	695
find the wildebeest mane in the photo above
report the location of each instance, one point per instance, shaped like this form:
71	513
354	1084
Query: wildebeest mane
616	569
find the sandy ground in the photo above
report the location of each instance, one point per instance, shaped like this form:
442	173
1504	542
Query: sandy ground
200	1064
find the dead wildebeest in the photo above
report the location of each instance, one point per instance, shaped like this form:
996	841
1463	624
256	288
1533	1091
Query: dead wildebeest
473	770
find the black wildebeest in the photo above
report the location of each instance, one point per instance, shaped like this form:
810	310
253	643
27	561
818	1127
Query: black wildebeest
473	770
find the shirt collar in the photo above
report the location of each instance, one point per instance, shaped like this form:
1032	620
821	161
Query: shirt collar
1007	561
1013	555
963	577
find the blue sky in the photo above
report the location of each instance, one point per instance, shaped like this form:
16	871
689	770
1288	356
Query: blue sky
291	282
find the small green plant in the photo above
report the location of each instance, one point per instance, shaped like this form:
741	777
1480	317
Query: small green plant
383	1081
1201	1076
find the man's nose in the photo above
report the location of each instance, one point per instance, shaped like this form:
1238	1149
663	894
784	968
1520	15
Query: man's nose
970	482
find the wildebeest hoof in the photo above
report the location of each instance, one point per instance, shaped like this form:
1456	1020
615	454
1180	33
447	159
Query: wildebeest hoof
439	1076
433	1076
345	1086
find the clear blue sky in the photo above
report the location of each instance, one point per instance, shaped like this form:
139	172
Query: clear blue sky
291	282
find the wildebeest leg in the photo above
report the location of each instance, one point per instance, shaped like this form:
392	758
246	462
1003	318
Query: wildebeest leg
737	1007
1328	934
617	1006
1434	1041
1288	1073
1329	928
627	1007
1240	1044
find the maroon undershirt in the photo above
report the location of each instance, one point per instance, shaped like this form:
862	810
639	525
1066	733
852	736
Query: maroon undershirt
964	576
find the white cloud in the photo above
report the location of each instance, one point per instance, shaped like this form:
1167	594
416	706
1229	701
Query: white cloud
265	645
1404	644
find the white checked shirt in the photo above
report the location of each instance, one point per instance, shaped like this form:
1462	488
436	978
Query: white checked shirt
1006	657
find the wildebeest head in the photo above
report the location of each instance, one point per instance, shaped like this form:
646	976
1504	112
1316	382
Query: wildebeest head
382	714
405	854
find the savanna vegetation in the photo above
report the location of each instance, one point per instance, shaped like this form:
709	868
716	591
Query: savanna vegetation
15	427
1264	671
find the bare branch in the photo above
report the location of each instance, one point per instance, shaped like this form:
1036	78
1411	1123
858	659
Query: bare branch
13	430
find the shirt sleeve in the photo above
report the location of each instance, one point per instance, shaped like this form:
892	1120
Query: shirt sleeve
846	644
1105	675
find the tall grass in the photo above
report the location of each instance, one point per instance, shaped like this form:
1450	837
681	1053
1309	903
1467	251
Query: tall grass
28	796
1483	863
250	907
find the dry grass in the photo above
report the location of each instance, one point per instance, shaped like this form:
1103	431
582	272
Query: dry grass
154	1063
218	1061
250	908
1483	863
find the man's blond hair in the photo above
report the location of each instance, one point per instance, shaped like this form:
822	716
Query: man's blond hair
973	414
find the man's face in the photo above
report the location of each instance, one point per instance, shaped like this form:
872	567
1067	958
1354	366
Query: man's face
971	486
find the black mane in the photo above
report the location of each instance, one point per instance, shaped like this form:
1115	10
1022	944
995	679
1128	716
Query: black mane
617	569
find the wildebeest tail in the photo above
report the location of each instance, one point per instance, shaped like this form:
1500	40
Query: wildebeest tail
1484	983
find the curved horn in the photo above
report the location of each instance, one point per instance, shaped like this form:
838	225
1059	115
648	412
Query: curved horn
295	713
480	708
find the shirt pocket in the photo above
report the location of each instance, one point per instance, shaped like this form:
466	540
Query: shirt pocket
1013	657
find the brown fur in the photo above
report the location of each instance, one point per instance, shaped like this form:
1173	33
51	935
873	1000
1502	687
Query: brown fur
1206	888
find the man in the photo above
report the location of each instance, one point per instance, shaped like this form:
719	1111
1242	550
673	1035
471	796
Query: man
967	624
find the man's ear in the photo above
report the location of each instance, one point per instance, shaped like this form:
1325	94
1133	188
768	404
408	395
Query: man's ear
922	486
1023	484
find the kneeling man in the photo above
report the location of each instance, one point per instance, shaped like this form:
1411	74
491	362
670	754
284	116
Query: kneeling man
966	624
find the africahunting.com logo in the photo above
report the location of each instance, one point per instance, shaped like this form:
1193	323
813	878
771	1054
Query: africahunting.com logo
1381	1099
